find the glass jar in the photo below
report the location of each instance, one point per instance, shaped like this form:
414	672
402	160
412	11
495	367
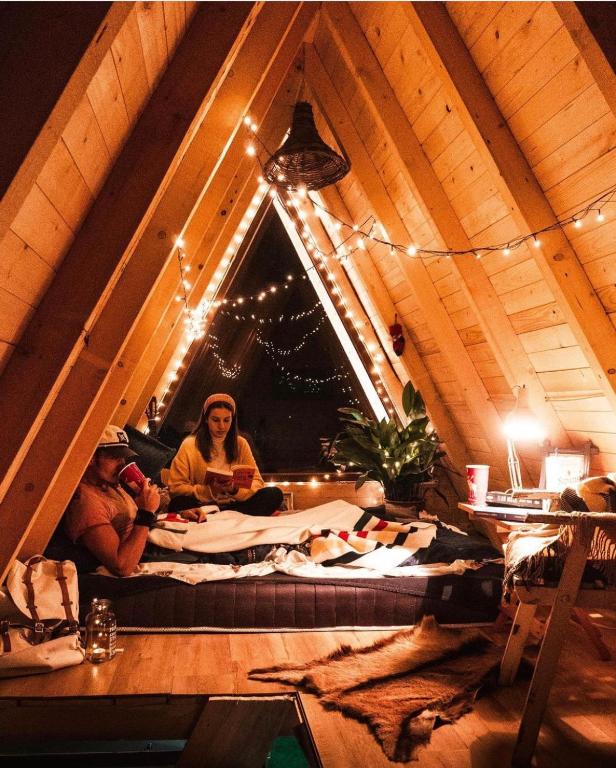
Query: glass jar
101	631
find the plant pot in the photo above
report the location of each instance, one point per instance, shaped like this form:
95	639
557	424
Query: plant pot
410	508
404	510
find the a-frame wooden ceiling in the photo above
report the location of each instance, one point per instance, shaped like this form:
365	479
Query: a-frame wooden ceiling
467	124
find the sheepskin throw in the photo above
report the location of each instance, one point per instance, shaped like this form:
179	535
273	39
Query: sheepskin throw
401	687
538	554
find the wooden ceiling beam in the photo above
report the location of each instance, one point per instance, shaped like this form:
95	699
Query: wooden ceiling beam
496	326
518	187
227	216
592	27
118	338
472	387
102	252
135	207
33	72
380	312
323	235
215	207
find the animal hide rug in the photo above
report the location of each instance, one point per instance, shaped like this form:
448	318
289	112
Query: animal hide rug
401	686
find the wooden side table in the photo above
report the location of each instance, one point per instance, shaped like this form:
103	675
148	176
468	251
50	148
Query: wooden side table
563	599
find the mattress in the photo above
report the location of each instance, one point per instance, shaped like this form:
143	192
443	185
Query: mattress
281	602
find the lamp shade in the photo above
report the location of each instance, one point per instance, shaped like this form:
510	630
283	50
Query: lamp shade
304	160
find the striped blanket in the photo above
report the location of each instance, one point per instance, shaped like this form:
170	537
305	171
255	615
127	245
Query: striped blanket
326	541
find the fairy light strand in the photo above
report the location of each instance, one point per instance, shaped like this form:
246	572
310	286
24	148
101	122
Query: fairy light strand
414	250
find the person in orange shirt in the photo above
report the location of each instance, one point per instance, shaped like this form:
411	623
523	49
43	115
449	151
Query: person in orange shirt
216	444
102	516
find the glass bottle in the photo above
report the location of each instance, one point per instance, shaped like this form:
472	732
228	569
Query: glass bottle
101	631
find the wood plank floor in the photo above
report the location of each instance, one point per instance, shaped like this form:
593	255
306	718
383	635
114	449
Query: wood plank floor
579	729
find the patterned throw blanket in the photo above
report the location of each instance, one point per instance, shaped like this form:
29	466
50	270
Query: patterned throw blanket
337	539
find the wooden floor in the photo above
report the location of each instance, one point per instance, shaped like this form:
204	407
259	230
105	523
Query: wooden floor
579	730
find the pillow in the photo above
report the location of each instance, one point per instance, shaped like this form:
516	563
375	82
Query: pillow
153	455
595	494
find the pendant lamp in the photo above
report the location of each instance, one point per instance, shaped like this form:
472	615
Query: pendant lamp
304	160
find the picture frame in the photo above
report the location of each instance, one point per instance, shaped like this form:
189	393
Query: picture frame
563	467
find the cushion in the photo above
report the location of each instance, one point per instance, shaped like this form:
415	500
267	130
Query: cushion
153	455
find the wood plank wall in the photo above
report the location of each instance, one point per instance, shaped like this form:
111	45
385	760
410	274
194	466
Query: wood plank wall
59	201
557	114
568	135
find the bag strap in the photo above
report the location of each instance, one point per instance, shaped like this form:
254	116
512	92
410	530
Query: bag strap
66	600
30	600
6	638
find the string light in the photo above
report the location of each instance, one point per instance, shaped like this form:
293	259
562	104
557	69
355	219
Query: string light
280	319
598	204
275	351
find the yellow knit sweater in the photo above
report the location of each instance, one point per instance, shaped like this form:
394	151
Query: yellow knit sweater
188	470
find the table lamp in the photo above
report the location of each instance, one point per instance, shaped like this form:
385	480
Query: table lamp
520	424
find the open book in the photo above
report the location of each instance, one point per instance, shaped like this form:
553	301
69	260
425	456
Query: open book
240	476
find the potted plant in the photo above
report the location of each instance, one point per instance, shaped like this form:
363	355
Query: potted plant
400	458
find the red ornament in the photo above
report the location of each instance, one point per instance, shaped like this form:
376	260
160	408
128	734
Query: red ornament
397	337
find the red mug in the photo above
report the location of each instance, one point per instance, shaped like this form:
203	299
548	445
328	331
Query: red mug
477	478
132	479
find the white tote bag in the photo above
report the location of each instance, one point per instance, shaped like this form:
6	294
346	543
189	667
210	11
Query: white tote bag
45	592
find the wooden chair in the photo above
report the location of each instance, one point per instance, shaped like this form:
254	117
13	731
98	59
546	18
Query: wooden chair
563	600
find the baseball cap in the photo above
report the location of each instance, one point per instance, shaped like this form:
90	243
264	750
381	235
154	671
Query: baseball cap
116	440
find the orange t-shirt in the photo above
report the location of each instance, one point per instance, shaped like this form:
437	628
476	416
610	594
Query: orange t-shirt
94	505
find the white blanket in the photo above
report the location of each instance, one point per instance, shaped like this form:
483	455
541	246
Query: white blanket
351	542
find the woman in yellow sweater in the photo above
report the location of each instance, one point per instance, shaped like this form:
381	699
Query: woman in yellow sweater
216	444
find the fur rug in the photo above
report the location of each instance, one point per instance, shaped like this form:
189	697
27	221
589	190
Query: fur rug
401	686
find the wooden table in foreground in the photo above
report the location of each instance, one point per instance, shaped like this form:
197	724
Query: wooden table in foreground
172	680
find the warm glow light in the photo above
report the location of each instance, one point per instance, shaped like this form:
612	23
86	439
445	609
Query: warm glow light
506	251
251	150
600	217
412	250
520	426
578	223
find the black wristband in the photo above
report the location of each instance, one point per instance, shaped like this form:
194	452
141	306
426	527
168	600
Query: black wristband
146	518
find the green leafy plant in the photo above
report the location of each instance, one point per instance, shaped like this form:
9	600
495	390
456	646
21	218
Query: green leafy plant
397	457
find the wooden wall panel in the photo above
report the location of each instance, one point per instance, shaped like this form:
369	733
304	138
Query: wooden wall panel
151	21
84	140
78	164
129	62
40	225
23	273
105	95
65	188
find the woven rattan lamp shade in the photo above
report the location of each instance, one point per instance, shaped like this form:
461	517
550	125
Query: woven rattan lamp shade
304	160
